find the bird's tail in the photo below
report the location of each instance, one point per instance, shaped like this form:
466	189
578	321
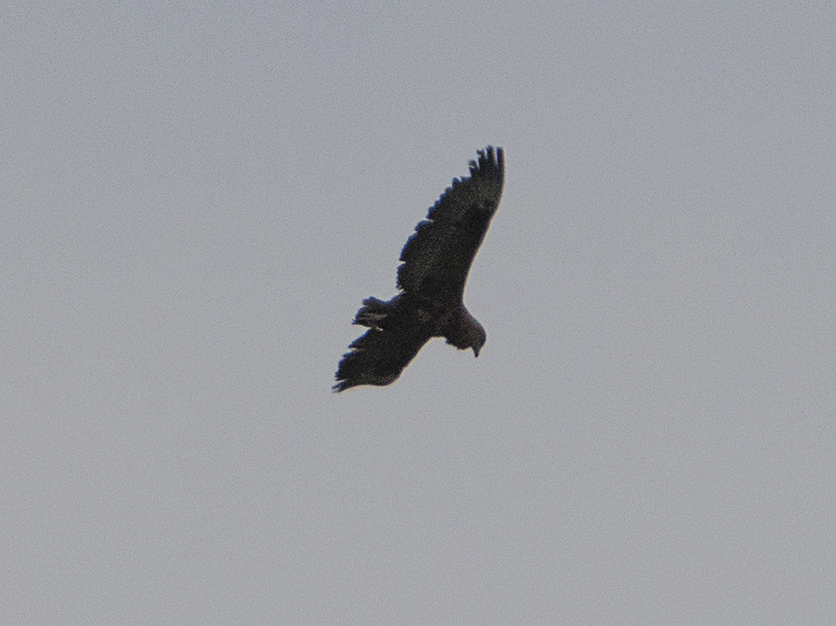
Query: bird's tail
372	313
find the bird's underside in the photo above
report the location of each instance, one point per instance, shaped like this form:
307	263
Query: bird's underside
435	262
398	329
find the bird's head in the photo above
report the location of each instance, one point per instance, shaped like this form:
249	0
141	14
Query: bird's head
466	332
478	336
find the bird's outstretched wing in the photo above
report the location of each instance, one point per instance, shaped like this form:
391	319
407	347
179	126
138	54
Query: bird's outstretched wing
379	356
437	257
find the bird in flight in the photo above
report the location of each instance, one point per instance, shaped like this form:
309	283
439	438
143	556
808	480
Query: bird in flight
434	265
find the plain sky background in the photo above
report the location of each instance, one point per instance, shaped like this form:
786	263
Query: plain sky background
195	198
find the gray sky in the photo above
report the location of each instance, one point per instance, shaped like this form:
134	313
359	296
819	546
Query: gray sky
195	199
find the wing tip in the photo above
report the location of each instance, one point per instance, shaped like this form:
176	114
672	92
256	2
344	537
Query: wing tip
491	162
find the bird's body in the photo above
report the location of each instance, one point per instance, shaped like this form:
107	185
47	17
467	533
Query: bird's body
436	260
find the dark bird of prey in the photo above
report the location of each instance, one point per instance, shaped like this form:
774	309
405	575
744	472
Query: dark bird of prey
435	262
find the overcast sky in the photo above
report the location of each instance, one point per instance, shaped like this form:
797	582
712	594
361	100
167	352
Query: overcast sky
197	196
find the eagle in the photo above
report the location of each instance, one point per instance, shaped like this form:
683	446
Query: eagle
434	265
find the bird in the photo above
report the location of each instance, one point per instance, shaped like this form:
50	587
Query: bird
435	262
